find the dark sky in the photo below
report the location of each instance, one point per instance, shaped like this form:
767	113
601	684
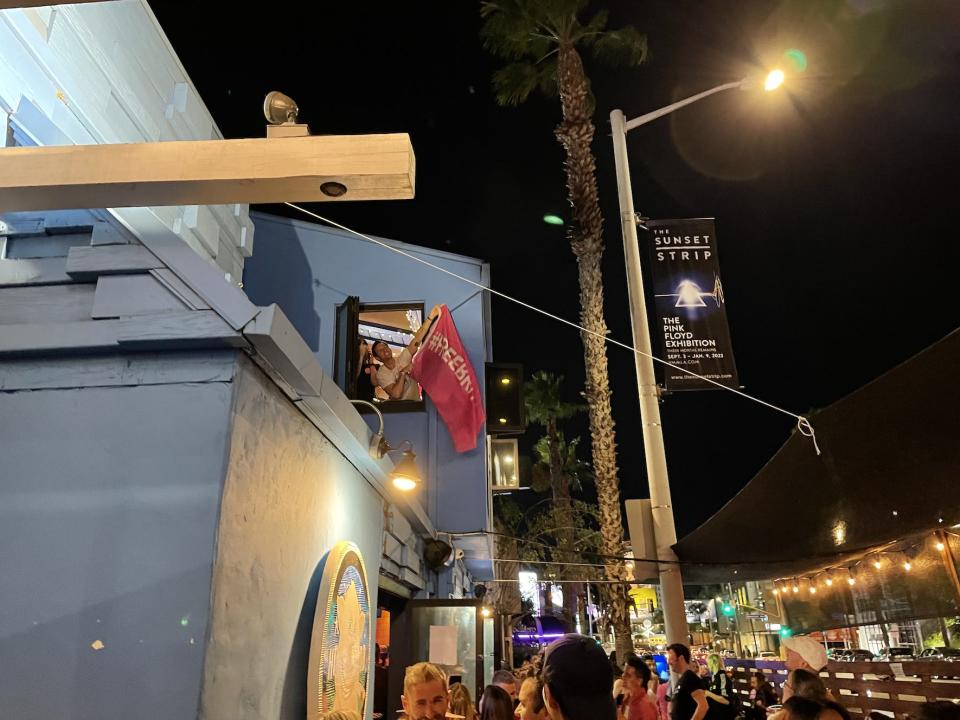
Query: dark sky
834	202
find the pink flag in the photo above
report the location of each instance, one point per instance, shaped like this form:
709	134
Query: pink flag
444	371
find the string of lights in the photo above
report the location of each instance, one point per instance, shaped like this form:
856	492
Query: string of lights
865	550
900	554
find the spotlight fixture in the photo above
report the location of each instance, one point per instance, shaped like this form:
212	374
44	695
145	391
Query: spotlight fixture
405	475
796	589
940	547
828	582
281	113
279	108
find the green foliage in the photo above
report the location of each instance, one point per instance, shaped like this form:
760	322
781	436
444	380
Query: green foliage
575	472
508	514
528	34
542	396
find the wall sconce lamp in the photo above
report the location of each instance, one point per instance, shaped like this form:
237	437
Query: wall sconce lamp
405	474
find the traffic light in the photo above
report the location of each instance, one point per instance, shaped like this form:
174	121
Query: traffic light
785	632
728	610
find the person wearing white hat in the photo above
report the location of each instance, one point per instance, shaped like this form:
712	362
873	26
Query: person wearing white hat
803	653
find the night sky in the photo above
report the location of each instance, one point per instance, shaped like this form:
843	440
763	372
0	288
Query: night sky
834	201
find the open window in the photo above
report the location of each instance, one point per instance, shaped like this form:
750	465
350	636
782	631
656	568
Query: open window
370	339
503	464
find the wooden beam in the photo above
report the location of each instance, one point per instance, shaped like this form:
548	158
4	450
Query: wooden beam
11	4
206	172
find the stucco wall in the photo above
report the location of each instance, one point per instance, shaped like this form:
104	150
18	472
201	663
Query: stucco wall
289	496
108	508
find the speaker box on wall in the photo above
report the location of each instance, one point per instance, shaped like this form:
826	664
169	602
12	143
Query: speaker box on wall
505	398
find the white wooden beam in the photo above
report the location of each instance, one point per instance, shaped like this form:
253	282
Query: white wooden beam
207	172
11	4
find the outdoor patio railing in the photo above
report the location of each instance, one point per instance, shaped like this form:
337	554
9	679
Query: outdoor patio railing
896	689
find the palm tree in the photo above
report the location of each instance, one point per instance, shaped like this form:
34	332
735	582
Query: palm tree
541	42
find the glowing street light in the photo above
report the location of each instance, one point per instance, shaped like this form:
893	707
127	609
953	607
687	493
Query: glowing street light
671	582
774	80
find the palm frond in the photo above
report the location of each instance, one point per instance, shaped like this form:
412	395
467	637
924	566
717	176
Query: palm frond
512	30
543	399
624	47
513	83
590	31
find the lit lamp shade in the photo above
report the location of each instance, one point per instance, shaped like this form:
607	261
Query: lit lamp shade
405	475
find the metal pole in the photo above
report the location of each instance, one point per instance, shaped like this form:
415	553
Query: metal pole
589	614
644	119
949	564
736	618
665	533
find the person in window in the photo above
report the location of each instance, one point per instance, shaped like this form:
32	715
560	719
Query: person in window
394	374
366	380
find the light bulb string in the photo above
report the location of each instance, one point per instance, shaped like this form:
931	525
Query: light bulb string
812	580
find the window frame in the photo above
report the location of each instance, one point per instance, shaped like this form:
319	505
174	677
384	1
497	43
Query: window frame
385	406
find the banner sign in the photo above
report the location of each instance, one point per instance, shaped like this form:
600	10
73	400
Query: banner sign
444	371
691	312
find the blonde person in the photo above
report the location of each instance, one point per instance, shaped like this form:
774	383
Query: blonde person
720	688
425	692
461	703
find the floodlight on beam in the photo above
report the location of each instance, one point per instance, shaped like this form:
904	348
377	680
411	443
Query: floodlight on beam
281	113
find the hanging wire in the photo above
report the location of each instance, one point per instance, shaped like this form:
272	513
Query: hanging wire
547	562
627	558
803	424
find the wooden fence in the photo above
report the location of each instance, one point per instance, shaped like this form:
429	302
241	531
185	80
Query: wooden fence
895	689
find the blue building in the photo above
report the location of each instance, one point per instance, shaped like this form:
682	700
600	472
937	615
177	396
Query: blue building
179	460
312	272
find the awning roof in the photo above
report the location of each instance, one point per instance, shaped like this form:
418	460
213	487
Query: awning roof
890	467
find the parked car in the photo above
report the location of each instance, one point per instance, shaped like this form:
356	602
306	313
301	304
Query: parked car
858	655
940	653
897	654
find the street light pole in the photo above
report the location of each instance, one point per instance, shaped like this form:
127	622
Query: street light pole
665	532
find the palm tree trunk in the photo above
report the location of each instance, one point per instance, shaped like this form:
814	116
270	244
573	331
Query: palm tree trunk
575	134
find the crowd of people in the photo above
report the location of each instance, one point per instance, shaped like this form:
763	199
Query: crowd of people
573	679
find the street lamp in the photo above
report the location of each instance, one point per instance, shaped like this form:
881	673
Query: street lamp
665	532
